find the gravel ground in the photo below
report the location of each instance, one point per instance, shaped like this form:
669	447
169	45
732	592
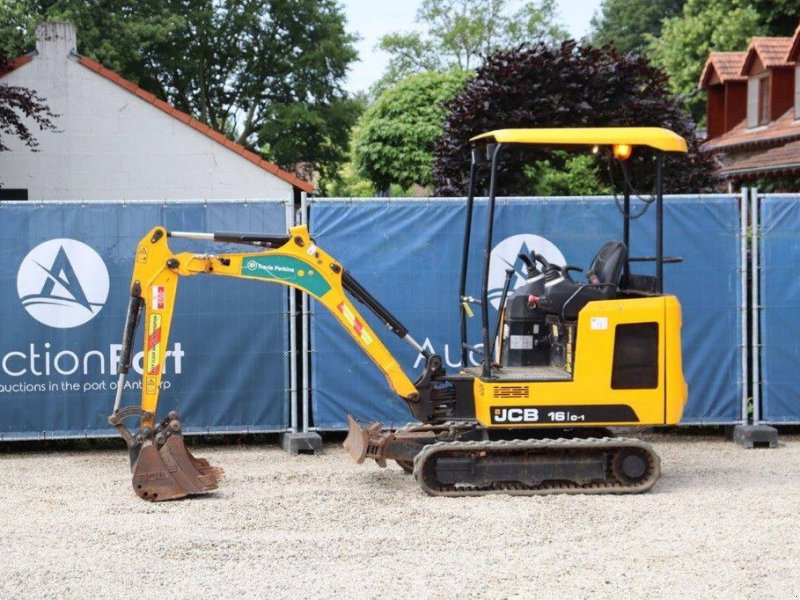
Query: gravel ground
721	522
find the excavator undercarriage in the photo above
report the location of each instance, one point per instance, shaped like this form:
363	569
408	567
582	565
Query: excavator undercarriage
460	459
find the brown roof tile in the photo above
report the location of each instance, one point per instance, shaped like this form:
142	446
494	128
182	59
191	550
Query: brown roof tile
198	125
151	98
726	65
15	64
770	50
784	127
758	162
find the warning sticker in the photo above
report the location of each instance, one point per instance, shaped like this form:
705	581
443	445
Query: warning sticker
357	325
157	300
521	342
153	344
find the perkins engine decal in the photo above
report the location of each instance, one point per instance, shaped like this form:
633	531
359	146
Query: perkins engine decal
288	269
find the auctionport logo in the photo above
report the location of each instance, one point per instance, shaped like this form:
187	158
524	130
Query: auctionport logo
63	283
505	255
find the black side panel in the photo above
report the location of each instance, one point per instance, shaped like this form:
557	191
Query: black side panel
635	357
464	397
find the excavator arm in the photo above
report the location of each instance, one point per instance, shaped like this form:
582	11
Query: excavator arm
163	468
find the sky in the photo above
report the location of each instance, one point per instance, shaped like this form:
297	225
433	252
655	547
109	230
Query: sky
371	19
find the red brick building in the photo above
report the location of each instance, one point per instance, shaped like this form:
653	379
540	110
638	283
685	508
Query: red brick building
753	113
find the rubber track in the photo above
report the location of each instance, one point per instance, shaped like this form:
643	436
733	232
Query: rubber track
610	486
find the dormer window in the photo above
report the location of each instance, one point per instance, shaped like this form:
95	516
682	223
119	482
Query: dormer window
797	92
758	100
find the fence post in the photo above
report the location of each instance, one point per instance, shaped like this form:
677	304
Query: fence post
305	328
755	304
300	441
292	336
755	434
743	308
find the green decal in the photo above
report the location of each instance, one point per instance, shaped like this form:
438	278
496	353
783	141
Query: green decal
288	269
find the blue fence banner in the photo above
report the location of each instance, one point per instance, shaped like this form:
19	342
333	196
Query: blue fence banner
780	305
64	291
407	253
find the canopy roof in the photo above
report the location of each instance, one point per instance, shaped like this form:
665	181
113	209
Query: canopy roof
655	137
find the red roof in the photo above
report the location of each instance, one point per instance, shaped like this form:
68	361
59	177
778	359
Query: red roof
181	116
15	64
771	51
776	160
726	65
784	127
794	49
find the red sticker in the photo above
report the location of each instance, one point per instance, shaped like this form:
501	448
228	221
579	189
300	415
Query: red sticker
158	297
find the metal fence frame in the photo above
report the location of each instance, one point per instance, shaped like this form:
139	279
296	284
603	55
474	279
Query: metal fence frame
299	354
758	310
744	347
292	346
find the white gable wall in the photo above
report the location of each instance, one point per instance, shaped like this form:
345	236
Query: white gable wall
113	145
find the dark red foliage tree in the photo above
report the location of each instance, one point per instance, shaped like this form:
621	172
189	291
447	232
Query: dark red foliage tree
566	85
18	104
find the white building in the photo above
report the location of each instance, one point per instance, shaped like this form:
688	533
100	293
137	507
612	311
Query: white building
116	141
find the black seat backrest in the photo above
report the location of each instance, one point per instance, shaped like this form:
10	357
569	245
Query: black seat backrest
608	263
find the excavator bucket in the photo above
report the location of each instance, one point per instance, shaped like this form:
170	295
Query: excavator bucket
163	468
172	472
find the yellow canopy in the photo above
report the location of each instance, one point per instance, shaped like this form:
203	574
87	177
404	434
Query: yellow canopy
655	137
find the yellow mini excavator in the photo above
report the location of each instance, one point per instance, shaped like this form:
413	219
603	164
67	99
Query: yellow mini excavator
566	359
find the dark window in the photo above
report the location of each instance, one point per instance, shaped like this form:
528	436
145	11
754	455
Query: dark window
763	101
635	357
13	194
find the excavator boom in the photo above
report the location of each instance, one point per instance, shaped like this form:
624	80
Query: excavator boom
163	468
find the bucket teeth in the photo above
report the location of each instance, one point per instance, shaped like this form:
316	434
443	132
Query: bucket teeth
170	472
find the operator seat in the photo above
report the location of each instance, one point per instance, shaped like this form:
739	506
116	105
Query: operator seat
565	297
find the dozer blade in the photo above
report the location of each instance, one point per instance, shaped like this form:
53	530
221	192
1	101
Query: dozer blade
171	472
366	442
402	445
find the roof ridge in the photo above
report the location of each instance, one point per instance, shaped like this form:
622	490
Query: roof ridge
196	124
758	47
794	47
16	63
728	73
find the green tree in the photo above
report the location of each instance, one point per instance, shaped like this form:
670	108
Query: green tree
779	17
260	71
624	23
565	85
458	32
686	40
350	185
565	174
394	143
